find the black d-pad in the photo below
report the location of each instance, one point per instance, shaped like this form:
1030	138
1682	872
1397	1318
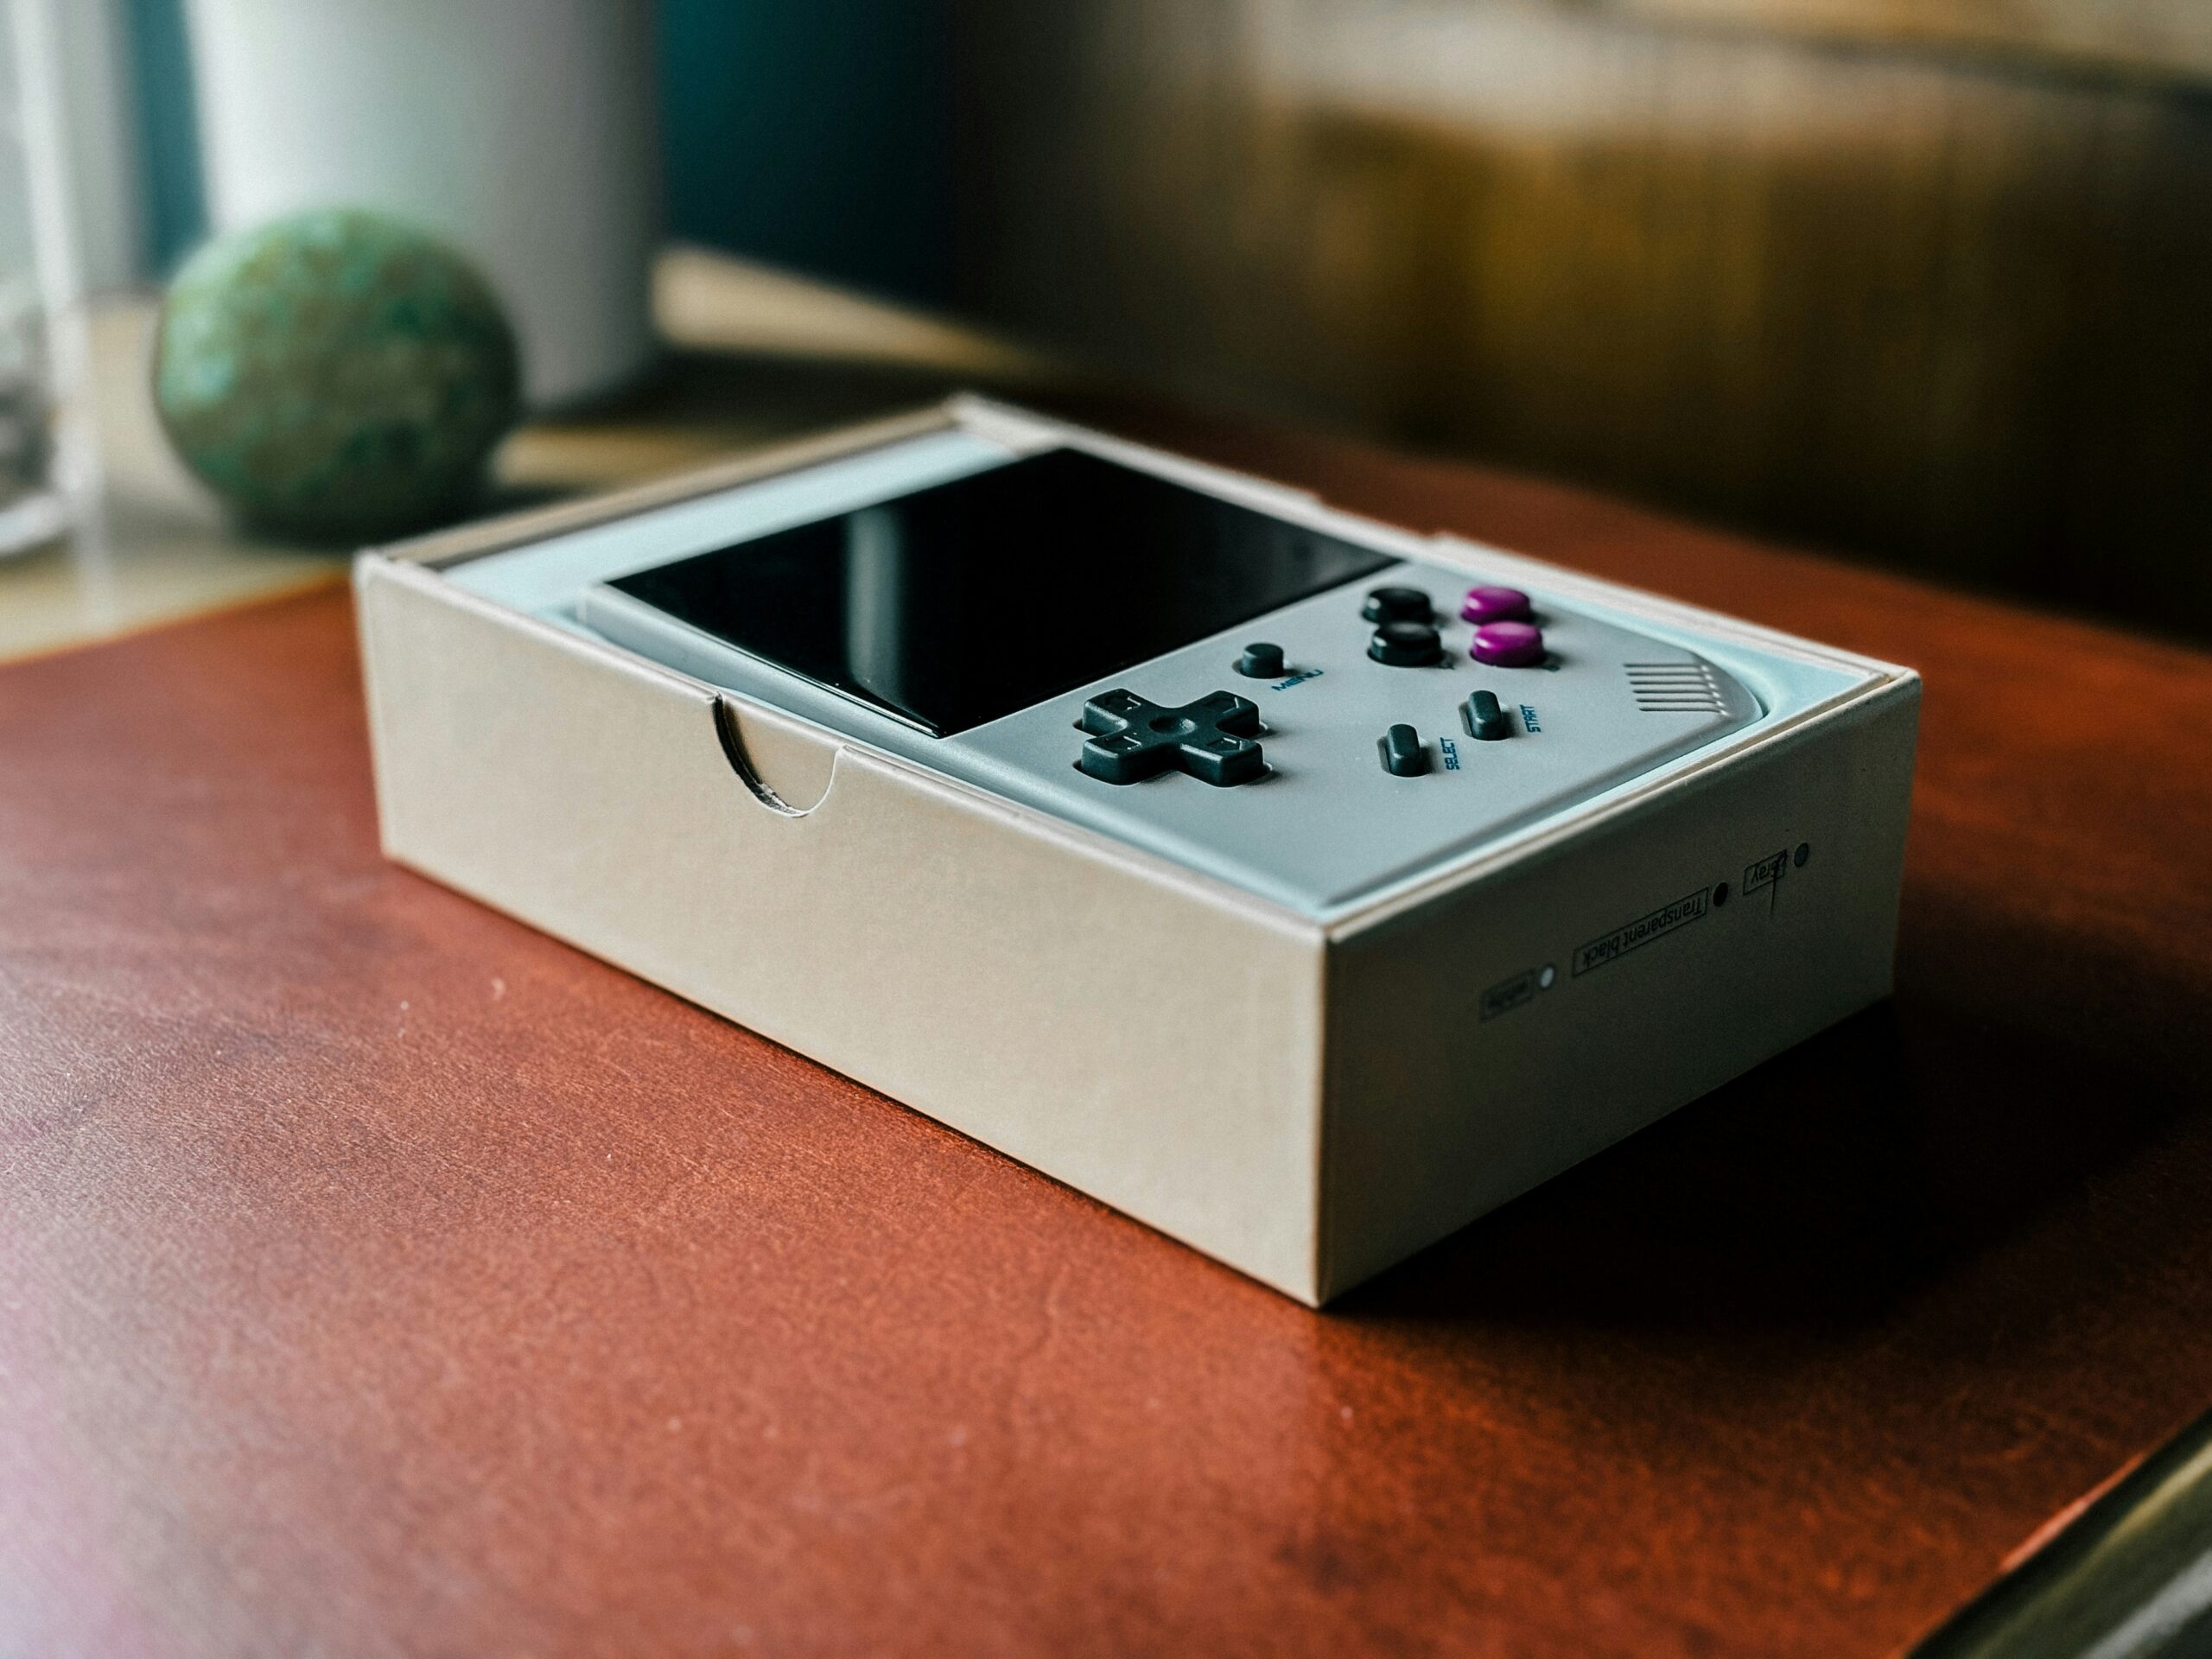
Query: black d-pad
1131	739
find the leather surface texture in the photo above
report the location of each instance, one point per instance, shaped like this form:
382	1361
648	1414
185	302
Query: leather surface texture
380	1276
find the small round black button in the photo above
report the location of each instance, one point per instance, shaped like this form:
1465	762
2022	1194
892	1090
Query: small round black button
1397	605
1405	645
1261	662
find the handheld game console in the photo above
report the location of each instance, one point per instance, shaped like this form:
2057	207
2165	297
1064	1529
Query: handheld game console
1302	885
1292	710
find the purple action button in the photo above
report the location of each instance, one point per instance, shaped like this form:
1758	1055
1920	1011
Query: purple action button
1508	645
1495	604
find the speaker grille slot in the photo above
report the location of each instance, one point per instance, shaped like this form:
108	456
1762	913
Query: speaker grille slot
1675	689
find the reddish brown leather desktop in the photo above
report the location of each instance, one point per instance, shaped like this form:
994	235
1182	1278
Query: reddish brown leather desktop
377	1275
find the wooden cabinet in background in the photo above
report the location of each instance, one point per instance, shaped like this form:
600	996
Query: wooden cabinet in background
1928	284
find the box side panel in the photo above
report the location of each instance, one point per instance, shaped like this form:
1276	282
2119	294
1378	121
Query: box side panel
1141	1039
1490	1040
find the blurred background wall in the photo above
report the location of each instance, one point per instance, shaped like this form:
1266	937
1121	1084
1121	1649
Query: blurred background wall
1926	282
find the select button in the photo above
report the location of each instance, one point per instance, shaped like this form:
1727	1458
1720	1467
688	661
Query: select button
1403	755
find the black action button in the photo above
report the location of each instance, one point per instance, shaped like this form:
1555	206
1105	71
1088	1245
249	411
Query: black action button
1397	605
1402	754
1405	645
1483	718
1261	662
1132	739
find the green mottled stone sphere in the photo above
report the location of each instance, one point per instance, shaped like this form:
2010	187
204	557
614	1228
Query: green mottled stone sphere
335	376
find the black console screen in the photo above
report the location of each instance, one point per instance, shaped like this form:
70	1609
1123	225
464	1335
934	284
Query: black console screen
969	601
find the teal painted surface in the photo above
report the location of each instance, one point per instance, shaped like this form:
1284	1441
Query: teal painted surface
336	375
161	69
815	134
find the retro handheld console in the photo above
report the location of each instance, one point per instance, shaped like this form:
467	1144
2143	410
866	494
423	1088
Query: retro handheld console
1453	866
1287	709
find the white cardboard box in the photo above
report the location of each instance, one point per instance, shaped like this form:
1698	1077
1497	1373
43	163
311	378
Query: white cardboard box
1331	1097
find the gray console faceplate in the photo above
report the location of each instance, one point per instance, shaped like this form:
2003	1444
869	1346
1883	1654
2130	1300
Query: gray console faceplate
1327	824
